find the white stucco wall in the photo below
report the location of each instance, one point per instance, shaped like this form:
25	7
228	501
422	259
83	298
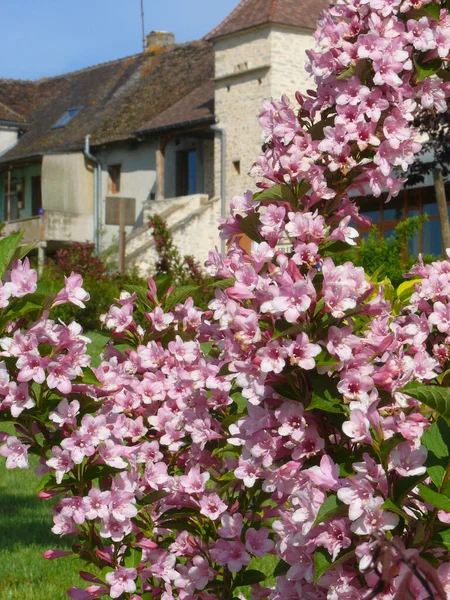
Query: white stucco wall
68	183
137	180
8	138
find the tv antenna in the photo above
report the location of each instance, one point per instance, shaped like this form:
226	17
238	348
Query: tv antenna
144	45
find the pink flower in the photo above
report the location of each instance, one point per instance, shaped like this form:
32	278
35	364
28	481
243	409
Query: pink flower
440	317
407	461
230	554
374	519
72	292
327	475
231	526
121	581
23	279
61	462
15	453
194	482
52	554
272	357
302	352
212	506
357	428
257	541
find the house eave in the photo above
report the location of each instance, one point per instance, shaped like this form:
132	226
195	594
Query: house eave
175	126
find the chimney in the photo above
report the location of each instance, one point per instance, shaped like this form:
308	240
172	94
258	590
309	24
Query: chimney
158	41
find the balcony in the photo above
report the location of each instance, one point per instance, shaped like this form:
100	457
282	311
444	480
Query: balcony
54	227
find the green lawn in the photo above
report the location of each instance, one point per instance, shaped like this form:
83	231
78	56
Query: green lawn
25	534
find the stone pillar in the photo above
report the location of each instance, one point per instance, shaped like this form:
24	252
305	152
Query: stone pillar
41	257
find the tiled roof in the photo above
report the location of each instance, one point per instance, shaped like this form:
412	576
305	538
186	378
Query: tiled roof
7	114
196	107
116	99
252	13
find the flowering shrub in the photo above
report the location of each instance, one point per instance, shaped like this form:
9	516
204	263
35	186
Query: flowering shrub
304	415
102	286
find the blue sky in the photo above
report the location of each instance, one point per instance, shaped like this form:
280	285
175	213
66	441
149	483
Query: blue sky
40	38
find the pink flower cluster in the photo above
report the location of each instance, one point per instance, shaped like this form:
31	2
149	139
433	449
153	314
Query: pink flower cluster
275	423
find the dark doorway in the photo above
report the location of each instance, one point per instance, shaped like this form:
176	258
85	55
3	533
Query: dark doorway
186	172
36	196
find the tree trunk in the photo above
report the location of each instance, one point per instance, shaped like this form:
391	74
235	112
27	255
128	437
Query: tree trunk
442	209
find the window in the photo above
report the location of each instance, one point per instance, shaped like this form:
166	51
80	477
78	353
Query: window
66	117
16	197
114	179
186	172
409	203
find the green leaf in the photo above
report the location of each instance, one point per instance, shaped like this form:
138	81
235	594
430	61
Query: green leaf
322	562
180	295
387	446
432	10
404	485
133	558
436	439
152	498
22	251
389	505
24	307
427	69
8	247
240	401
325	395
90	378
437	500
281	569
319	306
249	226
335	247
250	577
443	537
406	290
180	525
222	284
331	508
437	398
280	192
141	294
325	360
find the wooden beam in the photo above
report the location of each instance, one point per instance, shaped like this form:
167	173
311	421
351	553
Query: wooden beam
442	209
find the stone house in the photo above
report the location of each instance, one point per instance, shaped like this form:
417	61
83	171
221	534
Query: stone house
175	128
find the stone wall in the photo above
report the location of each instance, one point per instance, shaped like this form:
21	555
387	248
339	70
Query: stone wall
250	67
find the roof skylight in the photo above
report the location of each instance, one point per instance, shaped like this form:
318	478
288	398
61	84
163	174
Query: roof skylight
66	117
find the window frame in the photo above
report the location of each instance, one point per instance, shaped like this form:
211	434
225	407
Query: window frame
114	178
66	117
